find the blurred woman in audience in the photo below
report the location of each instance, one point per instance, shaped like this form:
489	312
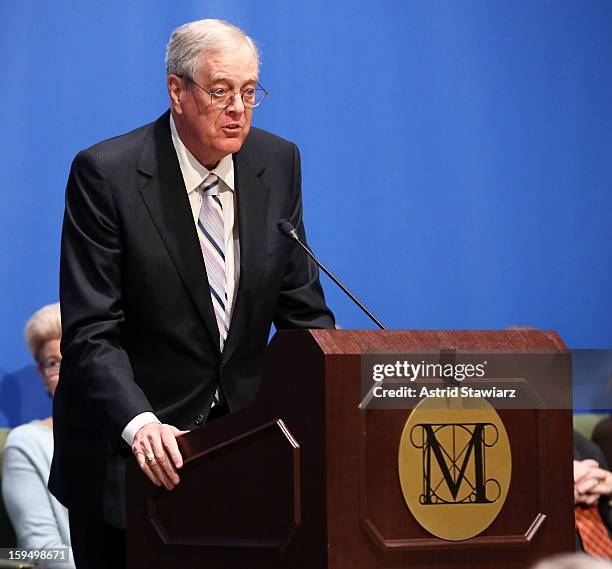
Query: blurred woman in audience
38	518
572	561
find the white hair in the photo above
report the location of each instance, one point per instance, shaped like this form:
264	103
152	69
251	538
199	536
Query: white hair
44	325
572	561
192	41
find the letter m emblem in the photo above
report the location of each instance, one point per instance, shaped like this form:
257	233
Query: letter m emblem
454	462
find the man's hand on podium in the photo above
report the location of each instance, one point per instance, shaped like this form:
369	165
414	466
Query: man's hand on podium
157	453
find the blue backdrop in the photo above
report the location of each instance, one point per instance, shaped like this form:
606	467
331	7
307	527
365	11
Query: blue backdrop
456	154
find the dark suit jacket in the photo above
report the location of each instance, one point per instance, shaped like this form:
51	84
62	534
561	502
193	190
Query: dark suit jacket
139	332
602	437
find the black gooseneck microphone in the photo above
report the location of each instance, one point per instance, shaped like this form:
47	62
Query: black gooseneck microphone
289	231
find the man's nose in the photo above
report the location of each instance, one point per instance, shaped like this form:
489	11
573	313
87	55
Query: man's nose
236	106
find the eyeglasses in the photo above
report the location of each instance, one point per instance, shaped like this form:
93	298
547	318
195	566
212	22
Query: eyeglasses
51	364
222	98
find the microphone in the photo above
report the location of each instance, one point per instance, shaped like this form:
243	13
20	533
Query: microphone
289	231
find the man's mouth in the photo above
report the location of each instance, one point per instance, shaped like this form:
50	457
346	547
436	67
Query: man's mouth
232	130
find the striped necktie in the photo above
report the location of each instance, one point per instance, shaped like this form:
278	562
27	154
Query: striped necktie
593	532
212	241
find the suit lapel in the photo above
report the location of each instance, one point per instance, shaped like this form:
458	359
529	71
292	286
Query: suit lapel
252	197
166	199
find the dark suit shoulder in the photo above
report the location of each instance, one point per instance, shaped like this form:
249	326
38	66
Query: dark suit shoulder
585	448
118	149
264	150
259	135
263	141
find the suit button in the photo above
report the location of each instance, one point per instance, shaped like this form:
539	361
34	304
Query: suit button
199	420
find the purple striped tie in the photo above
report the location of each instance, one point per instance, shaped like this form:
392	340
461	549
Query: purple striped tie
212	241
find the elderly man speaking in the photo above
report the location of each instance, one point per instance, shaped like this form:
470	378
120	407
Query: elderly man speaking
172	272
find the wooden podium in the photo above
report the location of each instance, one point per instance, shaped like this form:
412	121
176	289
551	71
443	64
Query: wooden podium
307	478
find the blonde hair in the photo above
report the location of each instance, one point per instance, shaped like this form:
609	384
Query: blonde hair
44	325
572	561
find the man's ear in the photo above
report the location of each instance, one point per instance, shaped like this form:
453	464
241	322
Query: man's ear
176	88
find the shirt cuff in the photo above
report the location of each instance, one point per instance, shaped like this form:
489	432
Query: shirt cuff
136	424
